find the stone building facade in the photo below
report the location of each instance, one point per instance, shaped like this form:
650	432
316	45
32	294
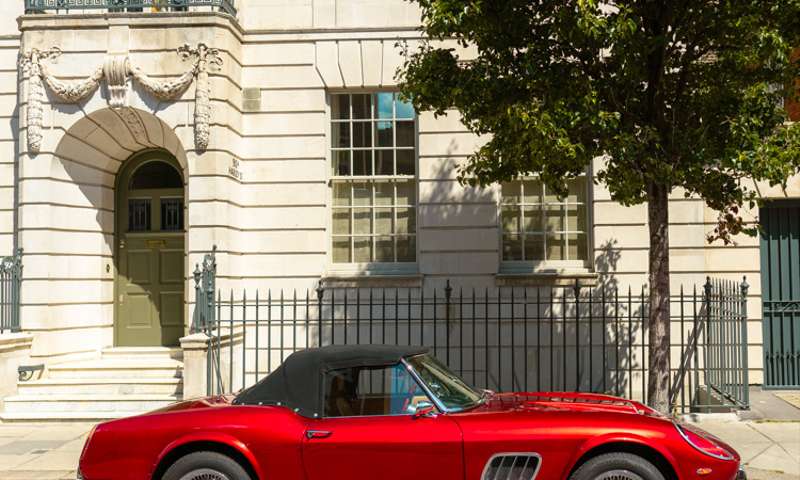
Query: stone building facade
295	158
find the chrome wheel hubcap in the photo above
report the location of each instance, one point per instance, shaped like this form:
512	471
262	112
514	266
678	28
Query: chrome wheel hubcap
205	474
619	475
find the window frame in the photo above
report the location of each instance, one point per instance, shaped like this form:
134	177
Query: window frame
514	267
369	268
407	368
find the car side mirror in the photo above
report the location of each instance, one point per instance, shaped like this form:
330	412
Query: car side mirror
424	409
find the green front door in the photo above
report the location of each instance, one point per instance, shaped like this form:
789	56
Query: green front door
150	253
780	287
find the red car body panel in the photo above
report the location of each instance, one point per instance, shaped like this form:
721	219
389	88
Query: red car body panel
559	427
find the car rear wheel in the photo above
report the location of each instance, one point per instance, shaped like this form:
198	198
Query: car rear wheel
617	466
206	466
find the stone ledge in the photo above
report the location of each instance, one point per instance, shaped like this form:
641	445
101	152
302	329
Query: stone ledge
547	279
10	342
372	280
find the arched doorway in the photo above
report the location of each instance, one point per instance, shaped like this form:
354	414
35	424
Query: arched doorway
150	251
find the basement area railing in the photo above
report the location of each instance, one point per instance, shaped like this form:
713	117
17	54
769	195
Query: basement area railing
576	338
10	281
119	6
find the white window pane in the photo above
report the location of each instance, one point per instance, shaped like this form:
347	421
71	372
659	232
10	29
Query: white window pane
554	218
404	109
533	219
384	162
340	135
556	247
534	247
406	193
383	221
406	249
341	221
361	106
576	218
405	162
341	163
341	250
406	220
384	249
362	249
341	193
510	192
384	193
532	191
511	219
577	249
512	247
340	106
362	162
577	190
362	134
384	134
362	193
362	221
383	105
405	134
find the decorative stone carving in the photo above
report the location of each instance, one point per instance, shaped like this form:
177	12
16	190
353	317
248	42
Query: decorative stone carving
31	66
116	69
132	120
205	59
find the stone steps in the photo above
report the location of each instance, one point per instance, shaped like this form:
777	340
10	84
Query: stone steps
102	386
121	382
93	404
118	368
142	353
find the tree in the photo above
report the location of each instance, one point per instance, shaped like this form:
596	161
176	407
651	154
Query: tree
681	95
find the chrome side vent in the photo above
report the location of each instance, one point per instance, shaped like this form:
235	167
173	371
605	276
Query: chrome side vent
512	466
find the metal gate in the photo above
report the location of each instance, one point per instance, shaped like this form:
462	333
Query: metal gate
780	287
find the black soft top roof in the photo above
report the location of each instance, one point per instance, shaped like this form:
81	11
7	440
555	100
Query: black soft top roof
297	383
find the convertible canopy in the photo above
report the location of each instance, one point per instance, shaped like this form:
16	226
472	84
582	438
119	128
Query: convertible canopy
297	383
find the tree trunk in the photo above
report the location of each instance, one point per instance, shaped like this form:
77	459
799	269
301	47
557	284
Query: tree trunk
659	316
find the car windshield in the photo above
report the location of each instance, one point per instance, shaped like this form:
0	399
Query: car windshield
449	389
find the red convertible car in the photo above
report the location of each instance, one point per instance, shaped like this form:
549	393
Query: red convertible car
396	413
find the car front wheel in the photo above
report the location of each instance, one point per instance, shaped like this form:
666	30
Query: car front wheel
617	466
206	466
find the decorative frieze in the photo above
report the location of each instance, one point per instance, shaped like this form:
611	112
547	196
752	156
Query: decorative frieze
116	70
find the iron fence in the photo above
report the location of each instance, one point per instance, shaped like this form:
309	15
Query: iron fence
10	280
576	338
56	6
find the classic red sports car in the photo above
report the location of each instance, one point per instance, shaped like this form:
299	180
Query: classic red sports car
396	413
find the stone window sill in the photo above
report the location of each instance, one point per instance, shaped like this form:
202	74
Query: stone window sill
547	278
368	279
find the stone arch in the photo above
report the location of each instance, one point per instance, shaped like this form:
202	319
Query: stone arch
67	215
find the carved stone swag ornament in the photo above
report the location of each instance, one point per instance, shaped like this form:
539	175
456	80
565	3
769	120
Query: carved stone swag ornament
116	69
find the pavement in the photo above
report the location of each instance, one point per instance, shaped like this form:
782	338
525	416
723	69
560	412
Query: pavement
770	449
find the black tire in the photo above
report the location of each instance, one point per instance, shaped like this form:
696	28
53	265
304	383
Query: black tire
617	466
206	466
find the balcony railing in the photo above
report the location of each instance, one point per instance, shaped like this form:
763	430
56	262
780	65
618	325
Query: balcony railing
118	6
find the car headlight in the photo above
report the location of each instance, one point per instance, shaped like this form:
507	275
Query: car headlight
703	443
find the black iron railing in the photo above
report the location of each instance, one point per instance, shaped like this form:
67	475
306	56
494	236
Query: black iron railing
116	6
10	282
576	338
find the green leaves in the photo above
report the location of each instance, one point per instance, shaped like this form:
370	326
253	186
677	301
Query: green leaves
684	94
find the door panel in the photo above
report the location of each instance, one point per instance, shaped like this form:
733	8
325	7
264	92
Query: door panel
396	447
780	286
150	283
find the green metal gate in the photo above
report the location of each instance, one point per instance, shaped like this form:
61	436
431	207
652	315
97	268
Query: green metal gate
780	287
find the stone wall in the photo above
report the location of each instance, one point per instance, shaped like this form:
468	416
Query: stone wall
9	48
261	191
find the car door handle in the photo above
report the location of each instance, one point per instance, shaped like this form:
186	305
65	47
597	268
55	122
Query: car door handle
318	434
